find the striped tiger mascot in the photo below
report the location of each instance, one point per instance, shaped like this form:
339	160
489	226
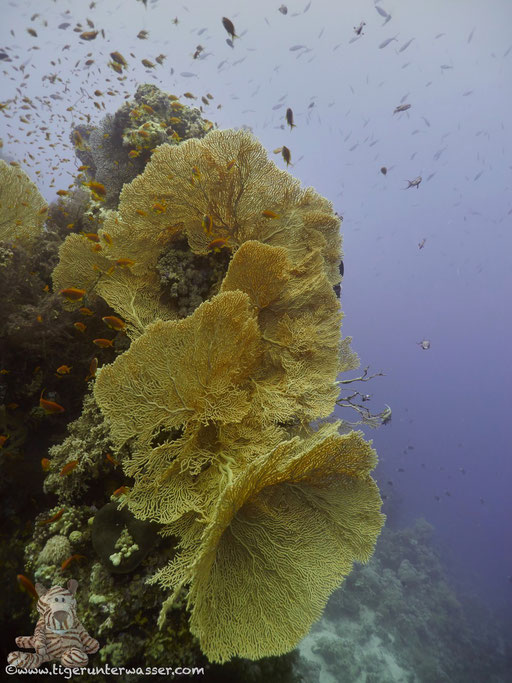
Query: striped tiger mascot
58	634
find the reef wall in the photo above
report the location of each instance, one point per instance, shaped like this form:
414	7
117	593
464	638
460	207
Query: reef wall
201	475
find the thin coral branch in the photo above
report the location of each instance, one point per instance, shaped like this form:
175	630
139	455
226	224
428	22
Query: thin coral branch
365	377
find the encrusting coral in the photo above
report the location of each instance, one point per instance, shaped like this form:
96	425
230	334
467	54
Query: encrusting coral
118	149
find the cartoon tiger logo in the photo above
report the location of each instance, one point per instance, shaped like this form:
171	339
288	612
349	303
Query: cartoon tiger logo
58	633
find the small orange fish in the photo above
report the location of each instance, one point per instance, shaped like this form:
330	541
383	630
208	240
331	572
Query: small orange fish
68	467
45	464
13	406
98	190
230	164
218	244
111	459
94	237
80	326
140	212
64	369
88	35
54	517
93	366
114	322
103	343
287	155
39	318
269	214
120	491
125	262
118	58
27	585
97	247
50	407
133	153
73	293
3	439
62	193
72	558
158	207
85	311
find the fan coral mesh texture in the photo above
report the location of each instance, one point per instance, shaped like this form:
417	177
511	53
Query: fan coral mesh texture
22	208
280	539
216	408
226	176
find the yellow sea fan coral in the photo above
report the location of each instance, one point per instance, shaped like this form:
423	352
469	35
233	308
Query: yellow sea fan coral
135	299
22	207
285	532
183	371
263	283
227	177
190	376
299	316
79	266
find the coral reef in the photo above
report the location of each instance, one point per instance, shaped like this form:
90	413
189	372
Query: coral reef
188	279
117	150
397	619
88	442
215	270
265	351
121	540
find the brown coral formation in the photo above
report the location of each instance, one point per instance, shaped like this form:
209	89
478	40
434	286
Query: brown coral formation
216	408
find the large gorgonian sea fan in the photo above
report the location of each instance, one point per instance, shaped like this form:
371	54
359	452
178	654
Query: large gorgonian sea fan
227	177
217	407
280	539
